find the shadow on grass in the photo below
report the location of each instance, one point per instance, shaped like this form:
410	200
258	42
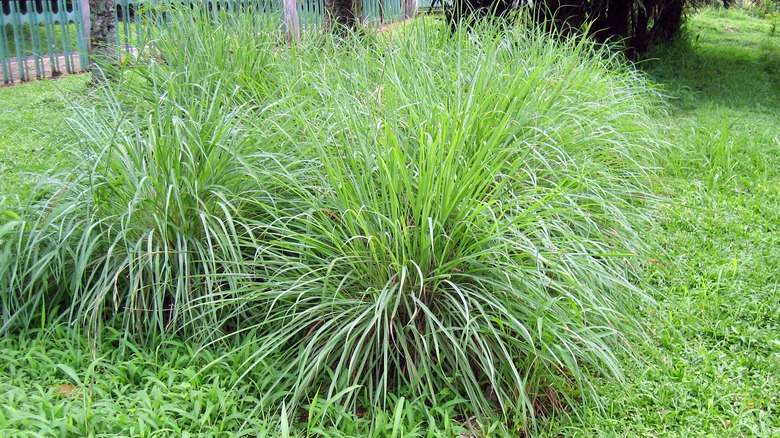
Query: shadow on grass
725	67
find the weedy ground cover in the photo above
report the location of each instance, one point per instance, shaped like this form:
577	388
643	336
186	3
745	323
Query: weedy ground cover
54	384
336	247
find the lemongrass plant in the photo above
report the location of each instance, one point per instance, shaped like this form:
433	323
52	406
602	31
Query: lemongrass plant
148	223
473	238
453	219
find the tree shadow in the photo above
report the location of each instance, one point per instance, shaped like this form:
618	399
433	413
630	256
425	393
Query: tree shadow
734	70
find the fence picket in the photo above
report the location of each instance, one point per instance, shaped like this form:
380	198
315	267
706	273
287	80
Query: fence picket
35	38
5	61
16	27
65	37
48	25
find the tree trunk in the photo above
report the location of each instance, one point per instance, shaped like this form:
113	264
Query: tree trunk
410	8
102	39
563	16
291	22
618	18
641	37
340	16
669	20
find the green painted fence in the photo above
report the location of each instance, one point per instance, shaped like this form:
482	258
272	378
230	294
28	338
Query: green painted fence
40	38
382	11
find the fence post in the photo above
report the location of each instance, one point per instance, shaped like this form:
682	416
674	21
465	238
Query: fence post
291	22
410	8
84	4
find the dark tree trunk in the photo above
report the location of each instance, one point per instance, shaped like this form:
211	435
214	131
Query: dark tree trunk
669	20
469	10
641	38
102	39
613	20
562	16
340	16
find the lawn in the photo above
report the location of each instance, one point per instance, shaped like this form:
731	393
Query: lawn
34	136
711	366
714	368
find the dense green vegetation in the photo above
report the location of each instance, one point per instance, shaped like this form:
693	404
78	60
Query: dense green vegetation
328	114
408	217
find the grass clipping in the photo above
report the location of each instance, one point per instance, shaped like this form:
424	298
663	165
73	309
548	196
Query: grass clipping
448	218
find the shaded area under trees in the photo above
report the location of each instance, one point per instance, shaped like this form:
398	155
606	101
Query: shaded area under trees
636	23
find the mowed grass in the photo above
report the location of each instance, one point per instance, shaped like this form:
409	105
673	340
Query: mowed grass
713	368
34	136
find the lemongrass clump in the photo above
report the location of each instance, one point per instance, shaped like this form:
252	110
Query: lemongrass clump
451	219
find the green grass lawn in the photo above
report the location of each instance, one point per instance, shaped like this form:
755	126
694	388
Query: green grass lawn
34	135
713	368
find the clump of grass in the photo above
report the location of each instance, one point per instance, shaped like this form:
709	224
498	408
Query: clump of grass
148	223
469	237
449	220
